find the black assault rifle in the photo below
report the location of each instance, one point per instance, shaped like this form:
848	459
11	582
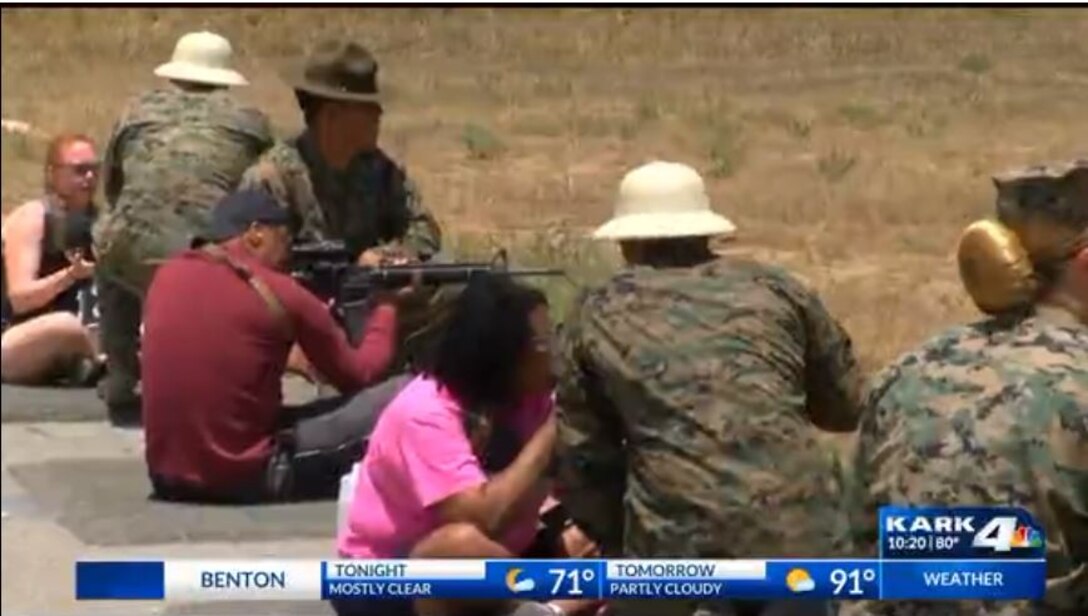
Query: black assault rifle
328	270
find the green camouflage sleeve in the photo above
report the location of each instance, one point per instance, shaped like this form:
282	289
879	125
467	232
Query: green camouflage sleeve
422	235
832	377
862	506
591	463
1067	500
281	172
112	169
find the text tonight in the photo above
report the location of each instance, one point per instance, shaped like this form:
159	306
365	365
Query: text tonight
367	570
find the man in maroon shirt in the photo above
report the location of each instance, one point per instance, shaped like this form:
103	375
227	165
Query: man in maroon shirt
219	323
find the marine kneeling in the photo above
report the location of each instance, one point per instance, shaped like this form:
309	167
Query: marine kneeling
219	323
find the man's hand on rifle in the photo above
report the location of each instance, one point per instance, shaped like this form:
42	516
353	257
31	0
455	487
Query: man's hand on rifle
404	296
389	254
393	254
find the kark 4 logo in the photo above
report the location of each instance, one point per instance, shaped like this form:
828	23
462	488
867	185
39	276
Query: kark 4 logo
1005	533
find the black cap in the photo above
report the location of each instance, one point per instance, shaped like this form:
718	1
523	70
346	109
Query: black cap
238	210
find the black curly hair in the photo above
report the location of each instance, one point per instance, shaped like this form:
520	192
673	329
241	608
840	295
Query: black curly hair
479	351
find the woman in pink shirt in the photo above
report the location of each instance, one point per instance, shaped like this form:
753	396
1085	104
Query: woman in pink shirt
457	464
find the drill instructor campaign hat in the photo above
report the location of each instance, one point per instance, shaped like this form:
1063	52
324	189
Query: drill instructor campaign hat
202	57
339	70
663	200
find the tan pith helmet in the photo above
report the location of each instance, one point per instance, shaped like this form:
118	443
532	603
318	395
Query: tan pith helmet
663	200
202	57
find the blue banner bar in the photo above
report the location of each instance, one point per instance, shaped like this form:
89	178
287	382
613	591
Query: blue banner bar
120	580
542	580
999	580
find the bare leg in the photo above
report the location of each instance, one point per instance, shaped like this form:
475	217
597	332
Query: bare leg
458	541
34	348
466	541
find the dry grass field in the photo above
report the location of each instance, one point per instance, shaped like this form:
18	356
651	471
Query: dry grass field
850	145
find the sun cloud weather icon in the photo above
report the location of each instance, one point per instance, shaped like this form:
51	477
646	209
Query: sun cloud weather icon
515	585
798	580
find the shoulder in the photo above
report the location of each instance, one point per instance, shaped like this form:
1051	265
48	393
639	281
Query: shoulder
228	110
1002	359
952	350
290	292
706	284
179	271
152	104
283	155
1046	342
769	276
378	165
423	403
382	158
28	217
279	161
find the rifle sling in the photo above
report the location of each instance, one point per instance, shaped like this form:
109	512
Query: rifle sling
275	306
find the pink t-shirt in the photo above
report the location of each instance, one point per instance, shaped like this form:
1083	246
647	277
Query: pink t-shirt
418	456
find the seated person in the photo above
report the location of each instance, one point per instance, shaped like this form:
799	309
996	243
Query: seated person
44	341
219	322
433	483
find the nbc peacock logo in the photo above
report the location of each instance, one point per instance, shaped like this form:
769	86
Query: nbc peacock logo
1026	537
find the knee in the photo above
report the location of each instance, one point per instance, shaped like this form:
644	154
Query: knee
67	326
54	328
458	539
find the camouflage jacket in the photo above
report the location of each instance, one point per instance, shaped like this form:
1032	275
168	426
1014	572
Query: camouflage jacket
371	203
687	402
987	414
172	156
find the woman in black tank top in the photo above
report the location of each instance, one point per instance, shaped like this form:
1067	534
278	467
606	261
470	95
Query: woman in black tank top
47	273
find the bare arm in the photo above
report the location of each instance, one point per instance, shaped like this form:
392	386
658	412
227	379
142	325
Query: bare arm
22	258
491	506
326	346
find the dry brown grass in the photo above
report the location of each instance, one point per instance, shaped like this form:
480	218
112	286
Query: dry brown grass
851	146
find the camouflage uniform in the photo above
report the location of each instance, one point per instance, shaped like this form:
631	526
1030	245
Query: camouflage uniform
172	156
370	204
685	400
992	413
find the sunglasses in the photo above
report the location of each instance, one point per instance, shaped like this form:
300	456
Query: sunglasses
84	168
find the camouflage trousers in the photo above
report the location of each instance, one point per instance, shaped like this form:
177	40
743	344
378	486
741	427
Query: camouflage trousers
128	253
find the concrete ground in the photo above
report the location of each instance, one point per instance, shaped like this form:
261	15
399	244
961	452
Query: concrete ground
39	555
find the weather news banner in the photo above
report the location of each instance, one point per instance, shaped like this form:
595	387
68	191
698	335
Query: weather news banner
925	553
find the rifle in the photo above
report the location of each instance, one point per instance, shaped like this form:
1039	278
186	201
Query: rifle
328	270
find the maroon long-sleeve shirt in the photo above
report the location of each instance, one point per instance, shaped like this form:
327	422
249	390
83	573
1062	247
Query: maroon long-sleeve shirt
213	356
